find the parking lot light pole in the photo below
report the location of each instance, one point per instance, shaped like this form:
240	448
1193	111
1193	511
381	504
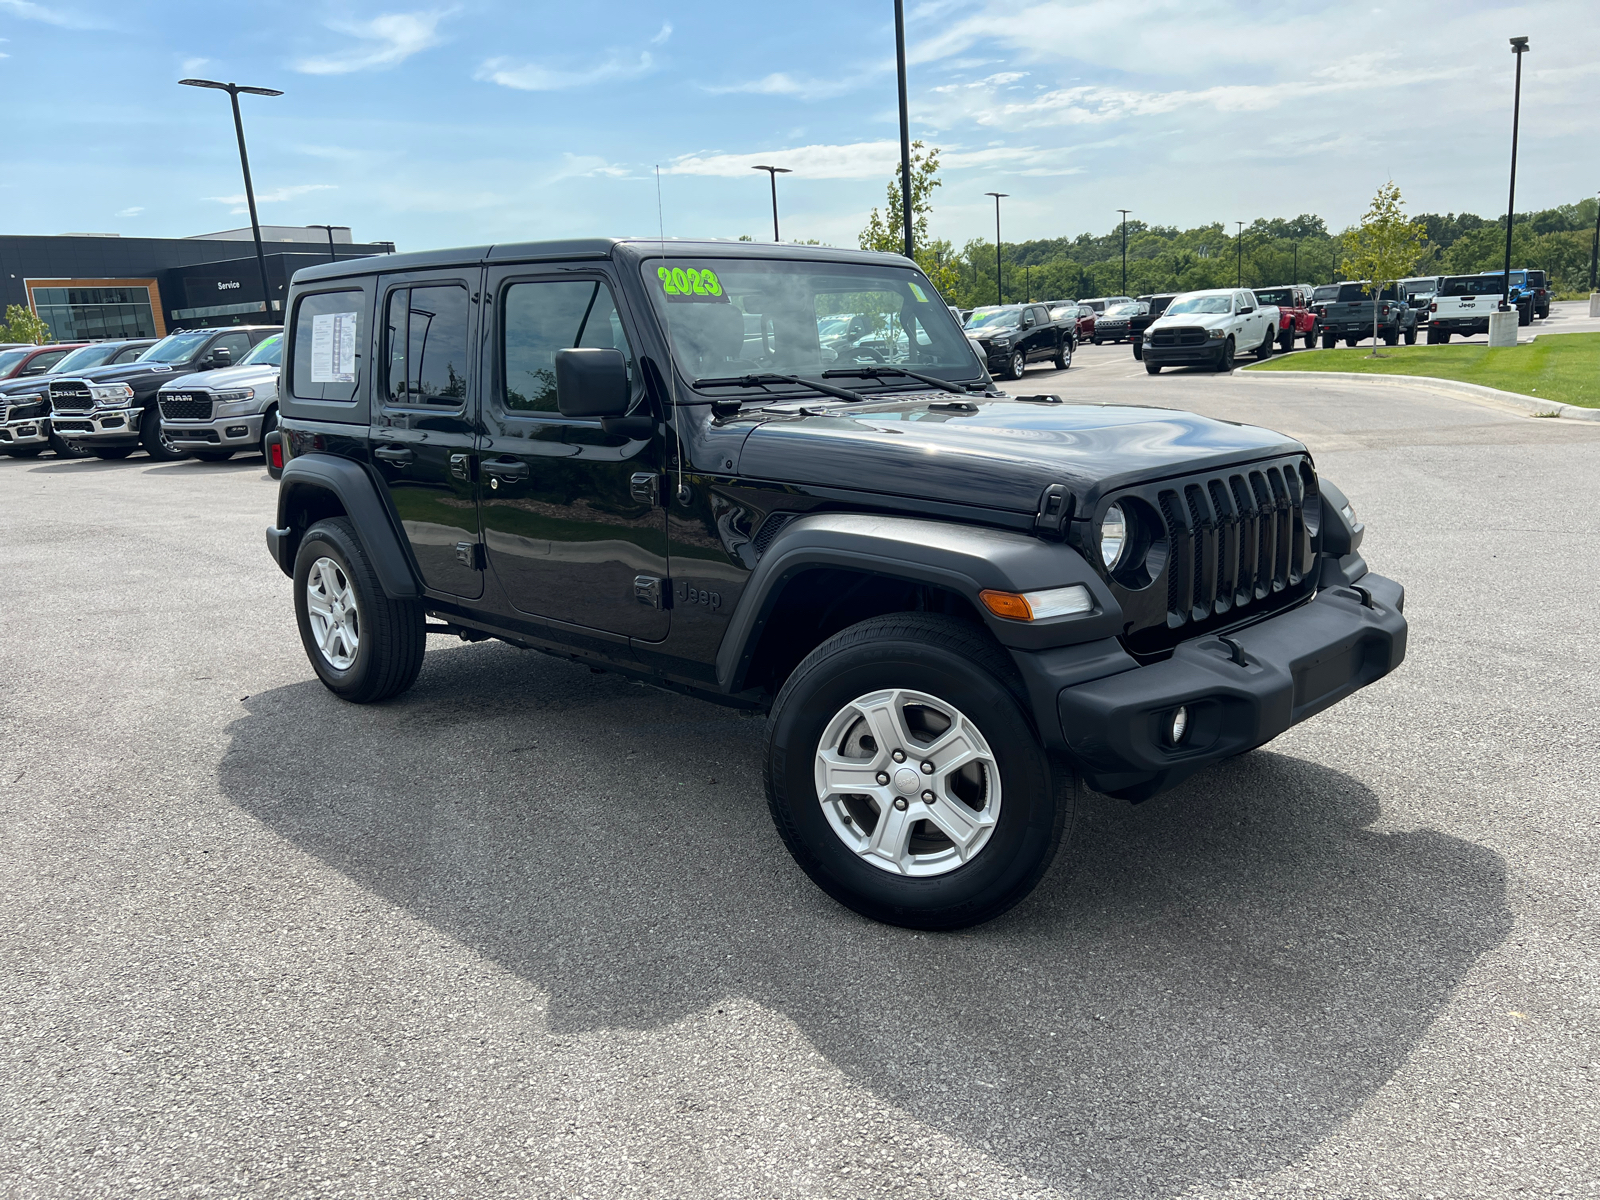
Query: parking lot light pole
1594	255
1124	212
233	90
773	173
999	289
1239	278
1519	47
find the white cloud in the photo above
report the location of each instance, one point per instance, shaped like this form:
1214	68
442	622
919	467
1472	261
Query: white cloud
781	84
29	11
191	65
666	32
384	41
130	212
533	77
574	166
858	160
273	196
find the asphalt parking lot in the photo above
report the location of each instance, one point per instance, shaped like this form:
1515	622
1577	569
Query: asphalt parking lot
527	930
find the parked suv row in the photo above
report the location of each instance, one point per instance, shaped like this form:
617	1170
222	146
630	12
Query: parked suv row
25	426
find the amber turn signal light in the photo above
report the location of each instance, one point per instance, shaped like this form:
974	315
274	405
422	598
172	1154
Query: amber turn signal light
1038	606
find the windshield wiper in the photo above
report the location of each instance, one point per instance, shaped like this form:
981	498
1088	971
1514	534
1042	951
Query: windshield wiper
960	389
827	389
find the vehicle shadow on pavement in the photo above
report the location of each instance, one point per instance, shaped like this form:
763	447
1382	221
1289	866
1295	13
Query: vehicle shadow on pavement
1222	976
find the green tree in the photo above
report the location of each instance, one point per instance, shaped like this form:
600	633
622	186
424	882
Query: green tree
885	231
1386	248
23	326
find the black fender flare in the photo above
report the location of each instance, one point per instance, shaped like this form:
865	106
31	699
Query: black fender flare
359	497
964	559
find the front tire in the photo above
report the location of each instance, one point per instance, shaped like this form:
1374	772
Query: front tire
65	449
1329	341
1016	366
930	849
1286	340
1063	358
154	439
364	646
1311	338
1138	349
1225	359
269	422
1152	368
114	453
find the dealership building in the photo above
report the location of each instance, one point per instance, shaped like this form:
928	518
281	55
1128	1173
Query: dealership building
88	286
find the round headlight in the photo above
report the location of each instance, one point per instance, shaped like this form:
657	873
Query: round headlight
1113	536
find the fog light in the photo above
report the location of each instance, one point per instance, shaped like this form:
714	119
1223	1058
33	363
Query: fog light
1180	725
238	430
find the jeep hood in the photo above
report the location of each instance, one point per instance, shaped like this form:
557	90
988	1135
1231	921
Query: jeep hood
1001	456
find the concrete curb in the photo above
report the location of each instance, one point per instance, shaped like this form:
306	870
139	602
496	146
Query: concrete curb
1530	405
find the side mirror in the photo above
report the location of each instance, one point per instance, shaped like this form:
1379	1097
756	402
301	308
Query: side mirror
221	357
1246	309
591	383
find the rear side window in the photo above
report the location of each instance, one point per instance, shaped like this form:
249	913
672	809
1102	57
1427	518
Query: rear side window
426	335
327	345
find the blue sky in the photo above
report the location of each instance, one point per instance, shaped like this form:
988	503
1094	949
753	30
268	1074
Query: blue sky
485	121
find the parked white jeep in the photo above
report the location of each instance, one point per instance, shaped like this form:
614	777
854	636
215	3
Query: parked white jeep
1208	328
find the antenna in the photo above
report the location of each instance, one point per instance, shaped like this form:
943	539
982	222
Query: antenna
666	318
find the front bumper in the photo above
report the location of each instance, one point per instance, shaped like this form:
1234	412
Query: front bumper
31	431
1209	351
1241	689
225	433
1110	332
102	427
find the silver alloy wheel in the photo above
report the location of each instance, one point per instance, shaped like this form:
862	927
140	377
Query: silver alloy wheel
1018	365
335	619
908	783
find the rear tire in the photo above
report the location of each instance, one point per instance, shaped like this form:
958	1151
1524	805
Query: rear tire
1444	338
1138	349
896	678
1329	341
1311	338
1391	337
1411	336
1351	342
1286	341
1264	351
1063	358
388	635
154	439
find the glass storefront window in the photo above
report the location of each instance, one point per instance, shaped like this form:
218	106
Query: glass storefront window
96	313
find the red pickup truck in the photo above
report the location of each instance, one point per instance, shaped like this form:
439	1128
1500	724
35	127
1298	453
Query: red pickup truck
1295	316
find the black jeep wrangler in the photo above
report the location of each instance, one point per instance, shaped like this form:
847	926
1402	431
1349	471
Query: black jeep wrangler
952	604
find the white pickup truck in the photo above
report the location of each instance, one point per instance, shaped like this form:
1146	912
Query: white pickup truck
1208	328
1462	304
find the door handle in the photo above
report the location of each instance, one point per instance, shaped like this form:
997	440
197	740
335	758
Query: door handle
508	470
398	455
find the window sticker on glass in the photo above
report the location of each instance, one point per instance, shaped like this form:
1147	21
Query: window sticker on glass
333	347
922	296
687	285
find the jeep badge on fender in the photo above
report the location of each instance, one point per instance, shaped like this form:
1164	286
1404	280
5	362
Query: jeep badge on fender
780	478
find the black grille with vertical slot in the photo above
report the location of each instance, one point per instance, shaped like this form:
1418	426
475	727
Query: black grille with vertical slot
1237	547
185	406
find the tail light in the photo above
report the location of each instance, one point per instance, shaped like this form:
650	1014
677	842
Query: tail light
1433	306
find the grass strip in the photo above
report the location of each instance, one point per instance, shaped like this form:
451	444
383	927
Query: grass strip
1563	367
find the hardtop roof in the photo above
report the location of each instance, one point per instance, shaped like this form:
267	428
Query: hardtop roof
598	248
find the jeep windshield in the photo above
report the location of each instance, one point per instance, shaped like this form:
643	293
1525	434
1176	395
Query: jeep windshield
1282	297
1199	304
728	318
1473	285
175	348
